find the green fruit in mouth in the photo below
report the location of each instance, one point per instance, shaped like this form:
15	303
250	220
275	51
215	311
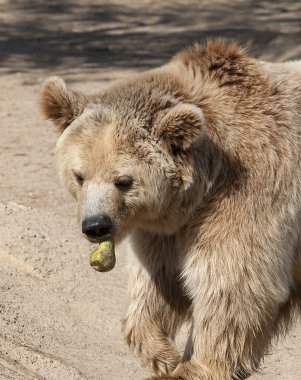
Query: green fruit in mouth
103	258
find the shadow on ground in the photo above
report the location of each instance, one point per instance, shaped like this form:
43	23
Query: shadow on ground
139	34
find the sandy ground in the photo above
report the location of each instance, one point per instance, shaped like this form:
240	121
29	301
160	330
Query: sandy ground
59	319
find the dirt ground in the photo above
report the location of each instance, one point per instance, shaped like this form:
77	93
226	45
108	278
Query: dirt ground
59	319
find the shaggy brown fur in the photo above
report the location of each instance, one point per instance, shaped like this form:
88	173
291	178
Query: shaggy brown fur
212	143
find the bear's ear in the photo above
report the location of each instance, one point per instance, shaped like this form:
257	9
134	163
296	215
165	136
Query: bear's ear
182	127
59	104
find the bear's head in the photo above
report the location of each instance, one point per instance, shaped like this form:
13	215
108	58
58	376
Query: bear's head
131	155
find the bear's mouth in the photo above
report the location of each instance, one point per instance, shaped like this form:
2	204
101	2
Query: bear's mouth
100	239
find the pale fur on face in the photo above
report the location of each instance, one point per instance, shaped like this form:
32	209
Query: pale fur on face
212	143
103	146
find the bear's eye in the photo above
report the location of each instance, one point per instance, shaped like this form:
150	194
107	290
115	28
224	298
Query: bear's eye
123	182
79	178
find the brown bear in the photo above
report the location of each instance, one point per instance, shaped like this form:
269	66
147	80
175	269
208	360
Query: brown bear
199	161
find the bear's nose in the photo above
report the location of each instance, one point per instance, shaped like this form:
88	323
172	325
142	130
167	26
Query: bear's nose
97	227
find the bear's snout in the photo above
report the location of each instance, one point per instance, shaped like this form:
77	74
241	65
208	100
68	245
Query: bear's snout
99	227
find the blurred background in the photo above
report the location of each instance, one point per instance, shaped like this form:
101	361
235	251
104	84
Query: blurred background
59	319
94	35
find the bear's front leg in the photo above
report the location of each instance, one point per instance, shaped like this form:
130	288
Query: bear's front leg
237	300
151	322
